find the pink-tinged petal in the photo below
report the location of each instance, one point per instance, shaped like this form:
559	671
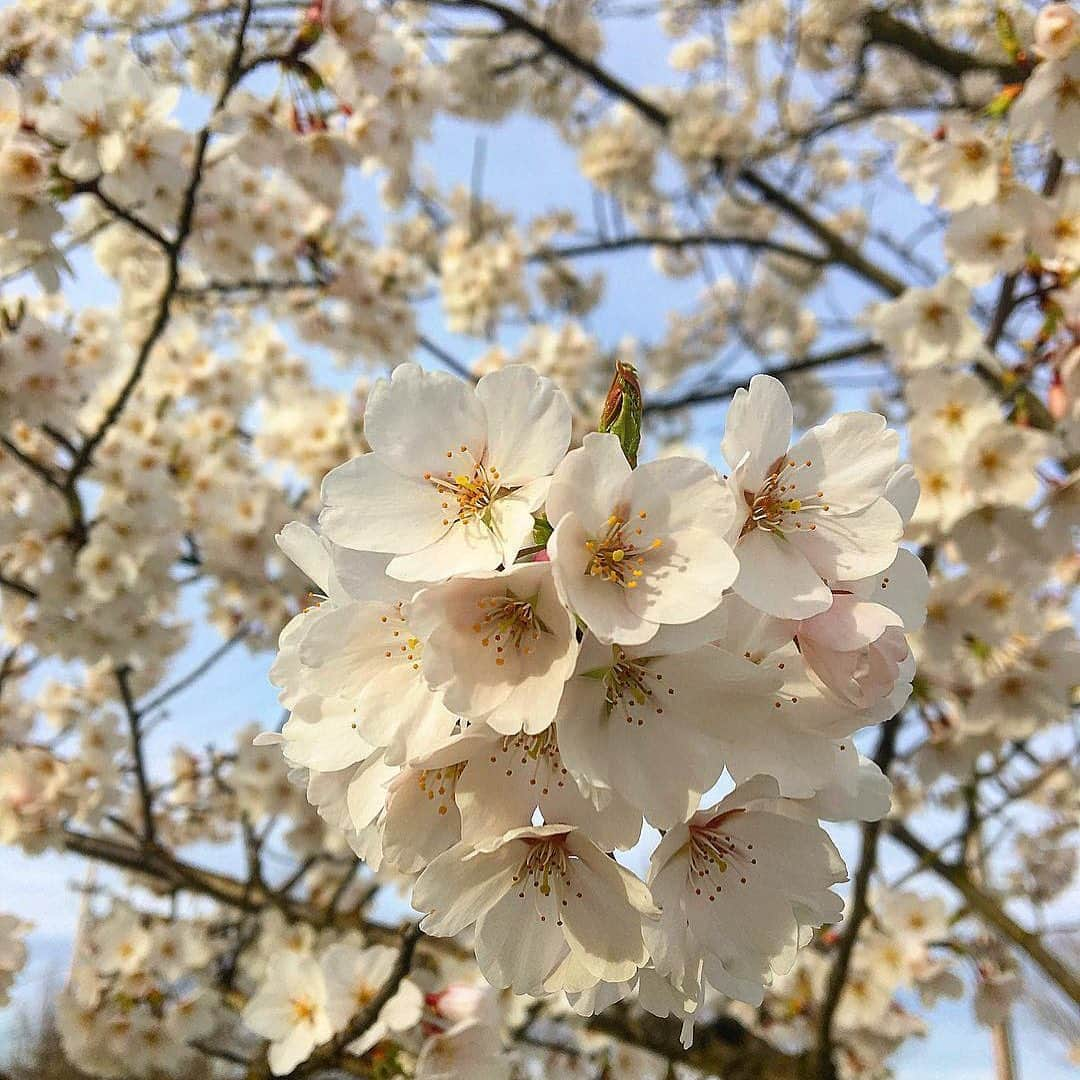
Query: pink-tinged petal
600	603
849	624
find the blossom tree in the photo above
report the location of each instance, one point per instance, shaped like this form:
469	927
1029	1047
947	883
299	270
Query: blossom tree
669	585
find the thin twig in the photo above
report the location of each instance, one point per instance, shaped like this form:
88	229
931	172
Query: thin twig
146	798
197	672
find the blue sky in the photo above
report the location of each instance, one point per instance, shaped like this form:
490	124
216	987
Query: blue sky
529	170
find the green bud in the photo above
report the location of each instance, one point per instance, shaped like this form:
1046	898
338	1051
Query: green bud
1006	35
621	414
542	530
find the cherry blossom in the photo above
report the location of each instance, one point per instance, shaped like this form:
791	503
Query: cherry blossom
636	548
450	486
812	512
574	916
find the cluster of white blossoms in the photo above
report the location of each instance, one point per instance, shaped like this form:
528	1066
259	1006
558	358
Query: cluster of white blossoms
897	956
143	998
590	717
522	654
12	952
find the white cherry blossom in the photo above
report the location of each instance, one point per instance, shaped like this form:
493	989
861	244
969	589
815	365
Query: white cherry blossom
290	1009
455	473
740	885
636	548
552	912
498	646
812	512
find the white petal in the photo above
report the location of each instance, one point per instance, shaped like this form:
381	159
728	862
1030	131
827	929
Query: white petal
759	422
589	481
455	890
368	506
528	424
775	577
463	549
418	421
600	603
304	547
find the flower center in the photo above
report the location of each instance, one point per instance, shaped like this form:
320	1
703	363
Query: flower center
402	644
778	506
714	851
303	1010
474	492
618	554
631	687
536	754
953	413
546	864
440	785
509	621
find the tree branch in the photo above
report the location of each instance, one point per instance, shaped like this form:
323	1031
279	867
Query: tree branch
601	247
724	391
146	798
174	249
886	29
1066	980
860	909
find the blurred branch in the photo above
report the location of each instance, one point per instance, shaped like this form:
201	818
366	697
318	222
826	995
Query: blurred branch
196	673
991	912
838	249
602	247
885	29
146	798
723	391
859	911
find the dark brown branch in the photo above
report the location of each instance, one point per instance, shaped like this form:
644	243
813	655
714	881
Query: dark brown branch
601	247
146	798
42	472
167	869
724	391
1006	304
128	217
859	911
255	285
839	250
886	29
174	250
17	587
330	1052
